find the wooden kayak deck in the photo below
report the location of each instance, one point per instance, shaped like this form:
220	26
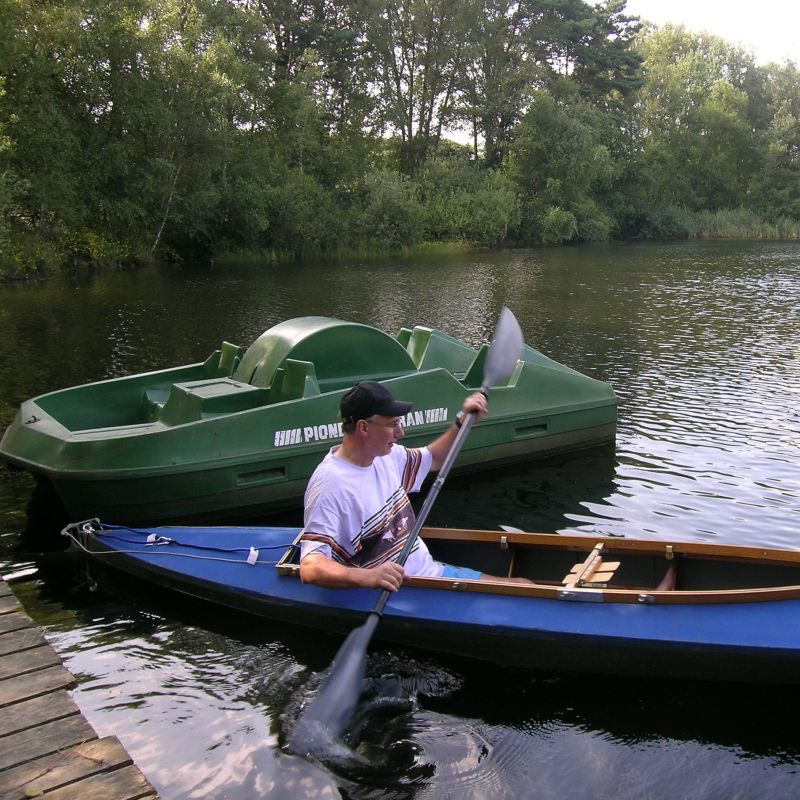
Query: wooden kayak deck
47	748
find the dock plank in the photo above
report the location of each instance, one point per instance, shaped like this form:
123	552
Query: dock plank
122	784
14	621
8	603
20	640
43	740
47	748
37	711
28	661
24	687
62	769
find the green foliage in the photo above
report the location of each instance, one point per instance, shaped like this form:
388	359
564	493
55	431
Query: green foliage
464	201
83	247
776	187
700	149
135	129
741	223
392	215
557	226
305	218
26	256
667	222
563	165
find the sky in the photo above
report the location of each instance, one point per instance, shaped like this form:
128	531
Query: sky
768	28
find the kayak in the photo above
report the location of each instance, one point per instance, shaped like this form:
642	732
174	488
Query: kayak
612	606
239	434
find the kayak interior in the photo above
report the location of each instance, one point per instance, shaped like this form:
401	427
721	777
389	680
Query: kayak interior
622	570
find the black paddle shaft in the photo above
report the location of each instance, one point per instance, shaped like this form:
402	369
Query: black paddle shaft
433	493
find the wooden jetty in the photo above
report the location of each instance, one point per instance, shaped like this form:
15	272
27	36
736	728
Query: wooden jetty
47	748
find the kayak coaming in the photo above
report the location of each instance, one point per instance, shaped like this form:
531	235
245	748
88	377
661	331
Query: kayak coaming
241	432
741	634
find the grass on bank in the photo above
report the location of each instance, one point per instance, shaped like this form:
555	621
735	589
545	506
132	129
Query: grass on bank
740	223
439	248
26	258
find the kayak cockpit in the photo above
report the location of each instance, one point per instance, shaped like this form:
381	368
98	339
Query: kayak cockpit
581	568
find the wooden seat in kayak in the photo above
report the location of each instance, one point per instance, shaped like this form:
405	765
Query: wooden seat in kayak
592	572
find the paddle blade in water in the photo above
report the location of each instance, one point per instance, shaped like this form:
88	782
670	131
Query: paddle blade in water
329	713
505	350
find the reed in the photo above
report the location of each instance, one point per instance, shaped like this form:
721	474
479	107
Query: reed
740	223
371	250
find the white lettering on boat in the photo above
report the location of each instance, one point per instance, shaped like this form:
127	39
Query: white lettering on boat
292	436
436	415
333	430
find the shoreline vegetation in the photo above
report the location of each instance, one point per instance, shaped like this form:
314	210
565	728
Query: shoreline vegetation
727	225
186	130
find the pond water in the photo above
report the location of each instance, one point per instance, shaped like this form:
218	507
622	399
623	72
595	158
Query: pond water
701	342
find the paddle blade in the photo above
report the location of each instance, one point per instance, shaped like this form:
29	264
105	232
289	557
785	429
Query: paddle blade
330	711
504	351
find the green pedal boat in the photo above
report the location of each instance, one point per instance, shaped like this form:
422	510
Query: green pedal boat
240	434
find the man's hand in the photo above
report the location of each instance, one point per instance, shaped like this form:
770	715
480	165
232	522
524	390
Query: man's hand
475	403
439	448
319	569
388	575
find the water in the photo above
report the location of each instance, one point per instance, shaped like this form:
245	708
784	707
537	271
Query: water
701	341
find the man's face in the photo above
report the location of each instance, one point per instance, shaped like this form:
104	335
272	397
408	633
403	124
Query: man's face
383	432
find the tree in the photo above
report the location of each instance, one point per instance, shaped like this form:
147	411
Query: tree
420	49
562	164
776	187
12	218
47	112
699	145
608	68
499	74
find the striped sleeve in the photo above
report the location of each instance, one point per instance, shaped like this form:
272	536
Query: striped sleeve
311	542
417	466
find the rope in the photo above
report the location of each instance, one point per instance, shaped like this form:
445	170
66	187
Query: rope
161	540
167	540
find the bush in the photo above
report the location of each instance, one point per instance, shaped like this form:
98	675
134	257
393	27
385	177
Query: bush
557	226
465	202
392	214
594	224
303	218
492	211
86	247
25	256
658	223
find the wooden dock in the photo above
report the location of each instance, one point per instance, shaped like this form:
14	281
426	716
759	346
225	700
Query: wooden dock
47	748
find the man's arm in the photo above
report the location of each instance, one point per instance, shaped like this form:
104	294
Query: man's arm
440	447
323	571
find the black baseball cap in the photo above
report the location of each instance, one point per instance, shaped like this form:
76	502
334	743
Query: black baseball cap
368	398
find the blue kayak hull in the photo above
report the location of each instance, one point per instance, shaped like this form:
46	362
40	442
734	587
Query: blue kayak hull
738	641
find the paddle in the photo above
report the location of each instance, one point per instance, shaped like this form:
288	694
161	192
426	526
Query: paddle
330	711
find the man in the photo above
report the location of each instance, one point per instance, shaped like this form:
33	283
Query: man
357	512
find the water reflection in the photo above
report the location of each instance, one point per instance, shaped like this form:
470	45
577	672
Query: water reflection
206	708
700	341
548	495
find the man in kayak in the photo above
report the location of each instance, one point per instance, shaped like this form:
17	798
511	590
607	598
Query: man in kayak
357	512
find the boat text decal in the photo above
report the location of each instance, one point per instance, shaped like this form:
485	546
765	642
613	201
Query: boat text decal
333	430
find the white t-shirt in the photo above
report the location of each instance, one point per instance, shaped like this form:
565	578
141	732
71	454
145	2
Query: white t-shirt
362	516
